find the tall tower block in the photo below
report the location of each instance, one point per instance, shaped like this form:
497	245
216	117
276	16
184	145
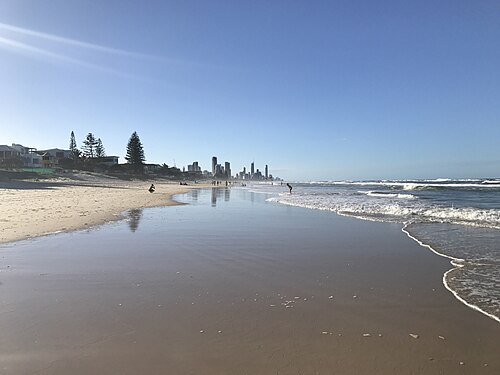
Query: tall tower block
214	163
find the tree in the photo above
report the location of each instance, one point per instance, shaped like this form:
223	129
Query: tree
99	149
75	153
135	153
89	146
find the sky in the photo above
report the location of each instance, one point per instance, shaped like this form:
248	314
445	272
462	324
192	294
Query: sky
318	90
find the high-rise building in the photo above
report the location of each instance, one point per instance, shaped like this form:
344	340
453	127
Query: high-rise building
267	172
194	167
227	168
252	169
218	170
214	164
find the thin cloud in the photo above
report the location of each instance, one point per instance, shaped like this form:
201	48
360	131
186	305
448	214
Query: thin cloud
93	46
74	42
19	47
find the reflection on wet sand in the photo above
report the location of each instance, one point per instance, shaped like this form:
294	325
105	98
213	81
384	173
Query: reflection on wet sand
218	193
135	217
194	194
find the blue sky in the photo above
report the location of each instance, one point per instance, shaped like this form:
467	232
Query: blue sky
319	90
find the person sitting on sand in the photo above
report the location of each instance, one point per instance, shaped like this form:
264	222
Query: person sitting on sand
290	187
152	188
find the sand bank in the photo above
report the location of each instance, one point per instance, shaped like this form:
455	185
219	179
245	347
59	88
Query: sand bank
34	208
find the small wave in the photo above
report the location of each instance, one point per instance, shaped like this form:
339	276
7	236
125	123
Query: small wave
428	186
424	184
394	210
457	264
384	194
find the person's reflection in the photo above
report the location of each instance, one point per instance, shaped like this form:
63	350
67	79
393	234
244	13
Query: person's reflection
134	216
194	194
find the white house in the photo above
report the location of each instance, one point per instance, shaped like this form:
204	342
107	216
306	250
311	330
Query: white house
28	155
51	157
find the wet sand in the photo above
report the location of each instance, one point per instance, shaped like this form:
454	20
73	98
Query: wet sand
230	284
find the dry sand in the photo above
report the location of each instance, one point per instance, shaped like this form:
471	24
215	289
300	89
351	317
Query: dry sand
35	208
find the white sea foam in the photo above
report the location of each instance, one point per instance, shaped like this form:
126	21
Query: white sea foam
457	264
393	210
383	194
415	185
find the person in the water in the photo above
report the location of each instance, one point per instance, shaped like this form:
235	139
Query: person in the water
290	187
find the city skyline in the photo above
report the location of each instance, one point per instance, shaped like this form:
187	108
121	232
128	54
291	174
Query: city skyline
32	157
219	170
323	91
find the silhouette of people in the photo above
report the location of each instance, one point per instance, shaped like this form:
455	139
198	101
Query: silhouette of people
290	187
152	188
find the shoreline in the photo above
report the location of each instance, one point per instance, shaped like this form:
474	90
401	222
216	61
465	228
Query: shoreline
39	208
193	289
131	195
455	264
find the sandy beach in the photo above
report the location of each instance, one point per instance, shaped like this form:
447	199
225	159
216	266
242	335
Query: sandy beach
231	284
34	208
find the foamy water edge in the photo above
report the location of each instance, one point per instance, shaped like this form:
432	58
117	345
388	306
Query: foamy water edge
455	262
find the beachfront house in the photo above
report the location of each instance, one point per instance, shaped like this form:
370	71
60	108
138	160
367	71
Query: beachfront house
151	168
9	157
7	152
52	157
107	160
29	156
19	156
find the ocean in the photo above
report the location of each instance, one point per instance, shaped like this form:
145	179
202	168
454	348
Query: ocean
456	219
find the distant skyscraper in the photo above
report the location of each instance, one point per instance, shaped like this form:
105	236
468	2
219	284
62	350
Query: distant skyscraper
194	167
252	169
267	172
214	164
227	168
218	170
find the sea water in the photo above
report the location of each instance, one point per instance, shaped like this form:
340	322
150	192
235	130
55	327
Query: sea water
457	219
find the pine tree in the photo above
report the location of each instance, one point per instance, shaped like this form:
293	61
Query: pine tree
75	153
135	153
89	146
99	149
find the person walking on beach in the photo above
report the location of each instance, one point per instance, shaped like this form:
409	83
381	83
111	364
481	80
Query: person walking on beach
290	187
151	188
